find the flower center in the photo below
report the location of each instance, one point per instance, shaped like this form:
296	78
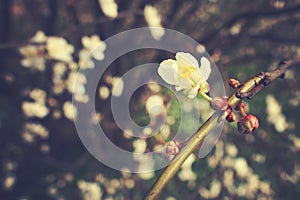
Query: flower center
185	72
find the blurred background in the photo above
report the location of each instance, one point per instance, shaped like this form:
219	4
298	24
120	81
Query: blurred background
42	44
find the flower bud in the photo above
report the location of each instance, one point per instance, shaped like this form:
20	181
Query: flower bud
172	149
248	124
234	83
219	103
230	117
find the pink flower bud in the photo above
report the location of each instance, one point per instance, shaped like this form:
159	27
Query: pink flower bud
172	149
230	117
234	83
248	124
219	103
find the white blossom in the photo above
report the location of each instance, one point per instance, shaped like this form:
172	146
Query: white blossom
117	86
89	190
185	73
70	111
109	8
59	49
153	20
95	45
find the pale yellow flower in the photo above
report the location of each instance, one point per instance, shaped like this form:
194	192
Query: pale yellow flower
70	111
34	53
109	8
117	86
155	105
185	73
33	57
33	109
39	37
275	115
94	44
153	20
59	49
89	190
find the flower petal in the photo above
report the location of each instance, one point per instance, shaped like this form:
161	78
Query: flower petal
205	68
167	70
186	60
193	92
178	88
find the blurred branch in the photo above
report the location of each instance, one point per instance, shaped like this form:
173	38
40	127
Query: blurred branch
5	20
249	15
246	90
49	26
78	27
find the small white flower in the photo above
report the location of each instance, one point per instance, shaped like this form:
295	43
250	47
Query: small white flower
109	8
95	45
185	73
153	19
39	37
58	48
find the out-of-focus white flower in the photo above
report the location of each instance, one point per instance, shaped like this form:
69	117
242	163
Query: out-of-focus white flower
33	57
76	85
39	37
59	70
95	45
36	130
9	182
109	8
213	192
89	190
37	108
85	62
59	49
32	109
139	145
231	150
145	167
117	86
241	167
186	173
103	92
34	54
70	110
153	20
275	115
38	95
184	73
155	105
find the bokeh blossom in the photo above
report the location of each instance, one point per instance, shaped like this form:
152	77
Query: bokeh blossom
34	54
93	47
59	49
185	73
109	8
153	20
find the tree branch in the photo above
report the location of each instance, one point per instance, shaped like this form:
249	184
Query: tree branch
246	90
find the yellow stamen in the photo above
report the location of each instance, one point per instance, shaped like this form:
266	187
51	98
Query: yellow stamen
185	72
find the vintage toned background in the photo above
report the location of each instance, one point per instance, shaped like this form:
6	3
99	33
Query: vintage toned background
42	43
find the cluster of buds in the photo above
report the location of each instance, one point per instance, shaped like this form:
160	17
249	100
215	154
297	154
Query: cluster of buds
248	123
